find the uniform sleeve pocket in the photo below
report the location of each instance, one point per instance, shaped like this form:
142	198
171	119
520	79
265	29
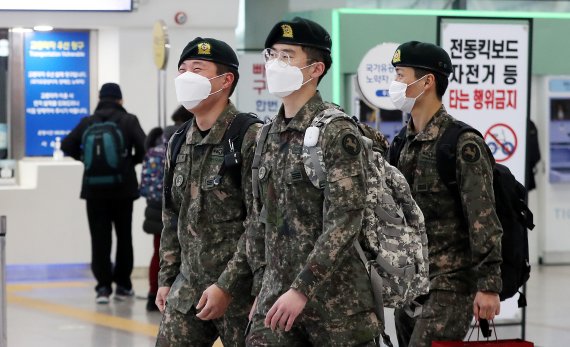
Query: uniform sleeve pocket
347	192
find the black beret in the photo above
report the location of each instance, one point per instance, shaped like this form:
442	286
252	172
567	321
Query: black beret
299	31
424	56
209	49
111	91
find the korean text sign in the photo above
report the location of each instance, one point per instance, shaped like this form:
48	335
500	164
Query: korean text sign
488	88
252	93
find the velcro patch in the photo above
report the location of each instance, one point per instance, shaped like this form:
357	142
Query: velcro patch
218	151
351	144
470	152
180	158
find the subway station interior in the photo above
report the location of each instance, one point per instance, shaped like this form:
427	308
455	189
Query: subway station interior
511	68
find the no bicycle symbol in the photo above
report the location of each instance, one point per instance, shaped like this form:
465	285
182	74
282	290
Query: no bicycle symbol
502	141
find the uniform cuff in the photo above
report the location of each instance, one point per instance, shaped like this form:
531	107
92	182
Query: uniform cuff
305	283
227	283
490	284
165	283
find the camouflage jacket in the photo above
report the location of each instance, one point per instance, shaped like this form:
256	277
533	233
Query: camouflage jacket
309	232
464	245
204	225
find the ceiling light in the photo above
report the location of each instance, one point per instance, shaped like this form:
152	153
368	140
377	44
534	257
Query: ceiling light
43	28
4	48
21	30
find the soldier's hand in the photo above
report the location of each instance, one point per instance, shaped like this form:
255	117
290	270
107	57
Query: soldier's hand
486	305
213	303
161	295
285	310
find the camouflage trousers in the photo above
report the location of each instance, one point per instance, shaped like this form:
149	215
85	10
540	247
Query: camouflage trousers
445	316
356	330
178	329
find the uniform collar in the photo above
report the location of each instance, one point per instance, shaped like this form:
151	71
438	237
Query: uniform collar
302	119
217	131
432	128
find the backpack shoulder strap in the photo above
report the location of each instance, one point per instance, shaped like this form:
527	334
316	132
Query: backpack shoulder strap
232	141
93	119
312	152
446	153
328	115
236	131
177	140
172	151
397	146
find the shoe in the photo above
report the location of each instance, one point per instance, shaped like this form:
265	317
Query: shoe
122	293
103	295
151	304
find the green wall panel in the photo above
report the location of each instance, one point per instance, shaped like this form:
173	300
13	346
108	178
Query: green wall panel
355	31
551	47
359	33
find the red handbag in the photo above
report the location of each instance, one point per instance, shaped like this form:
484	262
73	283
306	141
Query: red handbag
489	342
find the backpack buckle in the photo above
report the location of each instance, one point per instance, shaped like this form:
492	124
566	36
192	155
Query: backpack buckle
369	265
217	179
232	159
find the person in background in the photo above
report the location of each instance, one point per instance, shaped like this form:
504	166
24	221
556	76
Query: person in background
180	116
151	188
109	143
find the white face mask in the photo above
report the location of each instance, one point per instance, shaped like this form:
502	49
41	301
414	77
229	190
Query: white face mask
191	89
398	96
282	80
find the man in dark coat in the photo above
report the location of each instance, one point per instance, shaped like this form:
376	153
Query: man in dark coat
109	202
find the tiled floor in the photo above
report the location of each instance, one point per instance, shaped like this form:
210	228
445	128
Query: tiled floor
65	314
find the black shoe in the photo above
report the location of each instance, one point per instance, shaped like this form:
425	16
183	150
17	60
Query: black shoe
103	295
150	303
122	293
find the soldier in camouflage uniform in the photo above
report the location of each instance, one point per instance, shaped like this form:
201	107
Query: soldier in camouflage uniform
204	221
464	243
315	290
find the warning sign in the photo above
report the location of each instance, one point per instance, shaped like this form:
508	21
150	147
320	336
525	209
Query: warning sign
490	82
502	140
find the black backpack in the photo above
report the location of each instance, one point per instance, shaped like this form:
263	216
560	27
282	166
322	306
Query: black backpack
232	142
103	152
510	200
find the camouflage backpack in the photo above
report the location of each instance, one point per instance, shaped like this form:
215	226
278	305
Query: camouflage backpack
393	227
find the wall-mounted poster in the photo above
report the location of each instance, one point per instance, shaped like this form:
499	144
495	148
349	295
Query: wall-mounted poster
67	5
489	86
252	93
56	80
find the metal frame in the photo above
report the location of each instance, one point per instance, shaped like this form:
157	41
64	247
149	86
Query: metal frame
3	325
16	93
